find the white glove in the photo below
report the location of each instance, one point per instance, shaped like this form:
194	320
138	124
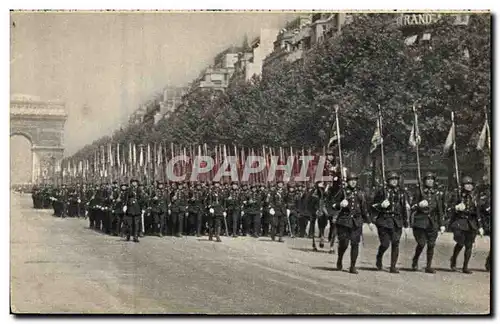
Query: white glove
124	209
481	231
244	202
344	203
169	212
211	211
371	227
79	201
424	203
142	212
271	211
460	207
242	213
288	212
385	204
441	229
488	209
224	214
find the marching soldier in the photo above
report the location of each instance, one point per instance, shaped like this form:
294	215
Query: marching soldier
486	212
133	210
392	207
216	210
427	220
292	204
94	207
119	203
159	208
266	219
179	209
278	211
465	222
233	209
116	210
252	209
353	211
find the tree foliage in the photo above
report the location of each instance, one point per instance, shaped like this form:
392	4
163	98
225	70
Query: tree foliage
366	65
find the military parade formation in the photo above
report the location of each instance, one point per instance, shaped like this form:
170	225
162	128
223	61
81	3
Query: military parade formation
229	209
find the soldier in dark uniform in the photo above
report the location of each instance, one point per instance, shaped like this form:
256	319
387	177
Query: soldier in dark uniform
265	218
233	209
94	206
465	222
62	200
119	203
115	209
107	207
392	216
349	223
159	208
486	216
277	210
179	209
292	204
133	210
428	219
319	200
252	209
216	211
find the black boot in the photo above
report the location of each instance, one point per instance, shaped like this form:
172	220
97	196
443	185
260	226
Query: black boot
354	257
380	255
418	251
342	248
217	233
430	255
453	260
467	255
394	259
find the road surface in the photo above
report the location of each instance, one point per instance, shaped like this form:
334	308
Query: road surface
61	266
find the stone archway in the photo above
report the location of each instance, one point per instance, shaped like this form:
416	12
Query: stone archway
21	159
42	122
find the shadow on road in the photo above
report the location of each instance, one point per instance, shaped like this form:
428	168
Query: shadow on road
311	250
325	268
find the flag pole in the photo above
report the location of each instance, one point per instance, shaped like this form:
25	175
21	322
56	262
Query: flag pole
340	147
455	150
381	144
416	135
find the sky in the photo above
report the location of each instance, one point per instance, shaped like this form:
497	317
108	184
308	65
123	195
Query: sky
104	64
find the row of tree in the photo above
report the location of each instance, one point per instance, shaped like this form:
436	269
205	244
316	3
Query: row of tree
366	65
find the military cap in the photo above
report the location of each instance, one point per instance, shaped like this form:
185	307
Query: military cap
430	175
467	180
134	180
392	175
352	176
123	186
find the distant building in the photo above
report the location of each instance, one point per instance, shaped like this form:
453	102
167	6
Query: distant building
137	116
303	33
250	63
218	75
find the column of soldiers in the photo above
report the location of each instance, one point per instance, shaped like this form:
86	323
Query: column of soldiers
275	210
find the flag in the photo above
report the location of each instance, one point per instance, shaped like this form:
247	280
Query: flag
450	139
411	40
141	157
334	137
134	155
484	137
376	138
159	155
118	154
149	154
414	137
130	159
111	157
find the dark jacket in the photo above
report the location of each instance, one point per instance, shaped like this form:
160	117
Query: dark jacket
355	212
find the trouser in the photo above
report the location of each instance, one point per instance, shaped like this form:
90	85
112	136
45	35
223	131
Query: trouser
251	223
98	219
302	224
117	223
177	222
277	225
266	221
158	222
148	223
463	238
73	209
92	218
201	219
132	223
332	234
107	221
425	236
192	224
322	221
348	235
293	222
233	220
214	226
389	236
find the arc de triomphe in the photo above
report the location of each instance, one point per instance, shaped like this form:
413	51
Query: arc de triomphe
42	123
